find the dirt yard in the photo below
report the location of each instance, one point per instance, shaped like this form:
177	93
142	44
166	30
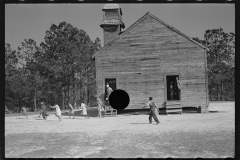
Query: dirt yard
210	135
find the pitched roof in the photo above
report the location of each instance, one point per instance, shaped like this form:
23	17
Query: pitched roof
162	22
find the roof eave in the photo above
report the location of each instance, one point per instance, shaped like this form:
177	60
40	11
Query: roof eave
201	45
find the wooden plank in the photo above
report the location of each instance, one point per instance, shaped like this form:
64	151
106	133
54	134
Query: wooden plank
174	106
174	110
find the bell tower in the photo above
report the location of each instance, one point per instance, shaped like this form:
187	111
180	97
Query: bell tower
112	22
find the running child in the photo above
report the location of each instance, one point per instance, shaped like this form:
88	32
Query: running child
84	110
71	111
43	110
24	112
100	108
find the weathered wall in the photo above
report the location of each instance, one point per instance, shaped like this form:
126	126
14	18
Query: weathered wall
110	32
141	57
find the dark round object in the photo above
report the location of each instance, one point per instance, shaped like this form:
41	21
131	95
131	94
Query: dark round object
119	99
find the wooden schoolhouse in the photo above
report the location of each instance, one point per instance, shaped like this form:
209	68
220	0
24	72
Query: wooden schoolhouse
146	59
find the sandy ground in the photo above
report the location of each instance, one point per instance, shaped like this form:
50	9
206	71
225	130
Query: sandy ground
210	135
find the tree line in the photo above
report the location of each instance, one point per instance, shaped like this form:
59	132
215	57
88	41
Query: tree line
61	69
220	64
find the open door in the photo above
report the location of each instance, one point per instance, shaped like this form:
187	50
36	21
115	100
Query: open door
112	82
172	92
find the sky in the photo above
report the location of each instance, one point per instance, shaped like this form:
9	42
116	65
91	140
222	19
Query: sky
25	21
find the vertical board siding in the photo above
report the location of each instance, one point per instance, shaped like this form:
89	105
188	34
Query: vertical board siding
141	57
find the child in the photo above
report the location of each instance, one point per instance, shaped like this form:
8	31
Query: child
43	111
71	111
84	110
100	108
58	111
24	112
40	112
154	110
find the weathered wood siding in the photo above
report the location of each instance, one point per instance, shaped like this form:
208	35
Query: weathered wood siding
111	14
110	32
141	57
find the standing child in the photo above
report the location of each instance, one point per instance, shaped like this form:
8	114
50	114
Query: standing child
107	93
84	110
40	112
43	110
24	112
58	111
71	111
100	108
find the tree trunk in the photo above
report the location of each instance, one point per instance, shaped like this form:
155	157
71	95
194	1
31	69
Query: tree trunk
218	97
35	99
19	104
68	94
85	94
81	92
74	96
63	98
88	96
51	99
222	90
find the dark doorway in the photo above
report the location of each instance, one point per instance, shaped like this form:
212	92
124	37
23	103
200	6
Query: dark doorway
173	93
111	82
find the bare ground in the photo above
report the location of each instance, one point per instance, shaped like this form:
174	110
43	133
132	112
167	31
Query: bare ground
210	135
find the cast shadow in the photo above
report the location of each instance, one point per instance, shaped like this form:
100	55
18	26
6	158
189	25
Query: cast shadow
217	111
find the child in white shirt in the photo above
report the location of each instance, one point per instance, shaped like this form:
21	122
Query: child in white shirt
84	110
58	111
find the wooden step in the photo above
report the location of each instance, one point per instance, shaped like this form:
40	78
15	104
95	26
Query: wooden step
114	111
108	112
175	106
111	112
174	111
